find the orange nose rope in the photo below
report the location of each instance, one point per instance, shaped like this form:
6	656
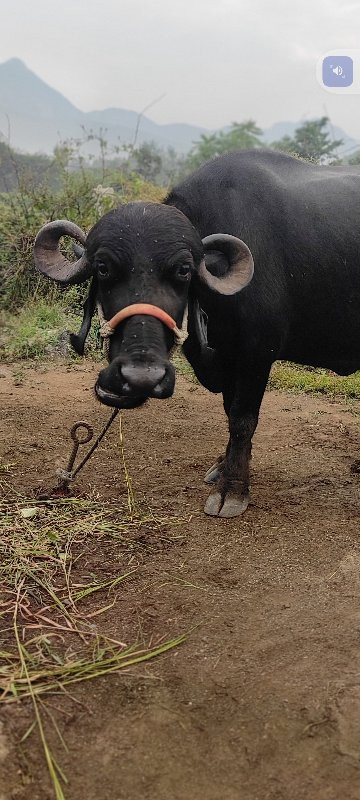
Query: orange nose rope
108	327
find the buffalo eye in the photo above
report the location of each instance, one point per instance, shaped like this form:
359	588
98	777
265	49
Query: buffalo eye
103	269
183	271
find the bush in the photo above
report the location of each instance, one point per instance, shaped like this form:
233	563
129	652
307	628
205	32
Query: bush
79	198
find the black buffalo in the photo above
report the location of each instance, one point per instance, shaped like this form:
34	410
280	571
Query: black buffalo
264	248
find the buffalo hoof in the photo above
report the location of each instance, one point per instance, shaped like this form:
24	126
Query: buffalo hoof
232	506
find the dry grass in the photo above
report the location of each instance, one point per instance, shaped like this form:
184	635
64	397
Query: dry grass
51	619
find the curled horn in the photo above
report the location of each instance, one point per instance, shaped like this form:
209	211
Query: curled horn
241	264
49	259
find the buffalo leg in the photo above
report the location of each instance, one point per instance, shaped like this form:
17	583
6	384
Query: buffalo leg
242	404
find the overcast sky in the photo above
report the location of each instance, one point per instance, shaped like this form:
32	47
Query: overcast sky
216	61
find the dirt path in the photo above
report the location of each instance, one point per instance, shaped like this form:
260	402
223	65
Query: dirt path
263	701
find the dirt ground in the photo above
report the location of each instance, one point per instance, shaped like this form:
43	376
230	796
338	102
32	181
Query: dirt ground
262	702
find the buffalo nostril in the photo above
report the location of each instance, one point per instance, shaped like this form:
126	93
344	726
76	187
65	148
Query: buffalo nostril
141	377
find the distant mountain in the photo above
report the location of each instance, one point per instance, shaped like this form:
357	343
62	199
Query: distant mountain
35	117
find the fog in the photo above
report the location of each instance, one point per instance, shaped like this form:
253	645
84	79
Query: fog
213	62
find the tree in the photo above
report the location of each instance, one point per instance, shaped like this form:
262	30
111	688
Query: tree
146	161
19	168
172	166
355	158
311	141
153	163
242	135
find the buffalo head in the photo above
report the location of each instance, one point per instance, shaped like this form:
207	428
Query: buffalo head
141	253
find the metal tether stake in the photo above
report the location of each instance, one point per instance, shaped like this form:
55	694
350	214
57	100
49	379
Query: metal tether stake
68	474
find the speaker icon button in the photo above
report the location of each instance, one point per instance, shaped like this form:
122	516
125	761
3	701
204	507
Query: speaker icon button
337	71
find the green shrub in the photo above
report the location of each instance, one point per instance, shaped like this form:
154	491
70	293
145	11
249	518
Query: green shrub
80	198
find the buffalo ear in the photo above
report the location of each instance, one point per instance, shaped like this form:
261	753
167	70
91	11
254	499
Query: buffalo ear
196	322
230	261
77	340
203	358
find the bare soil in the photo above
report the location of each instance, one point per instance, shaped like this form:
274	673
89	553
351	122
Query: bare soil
262	702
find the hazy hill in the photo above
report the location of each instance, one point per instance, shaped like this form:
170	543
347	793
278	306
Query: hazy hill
36	117
40	116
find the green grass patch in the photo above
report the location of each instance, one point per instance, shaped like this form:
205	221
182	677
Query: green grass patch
183	367
37	331
32	332
294	378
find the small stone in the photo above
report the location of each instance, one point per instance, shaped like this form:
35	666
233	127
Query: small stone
28	513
